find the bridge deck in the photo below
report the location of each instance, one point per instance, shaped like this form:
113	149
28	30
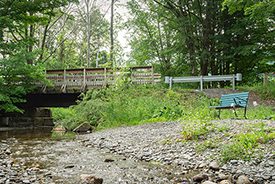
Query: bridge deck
77	80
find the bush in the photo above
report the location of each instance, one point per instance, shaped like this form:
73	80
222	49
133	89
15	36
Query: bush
265	91
125	105
130	105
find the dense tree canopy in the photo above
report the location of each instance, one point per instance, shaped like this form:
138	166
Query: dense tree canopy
201	37
179	37
21	45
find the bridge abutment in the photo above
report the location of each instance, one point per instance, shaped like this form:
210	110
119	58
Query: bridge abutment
32	117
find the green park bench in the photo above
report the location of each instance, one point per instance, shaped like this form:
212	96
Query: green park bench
233	101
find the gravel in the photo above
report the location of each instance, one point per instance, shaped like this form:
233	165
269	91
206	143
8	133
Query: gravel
151	153
161	143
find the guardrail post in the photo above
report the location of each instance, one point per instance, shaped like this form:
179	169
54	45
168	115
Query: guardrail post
233	82
201	83
170	82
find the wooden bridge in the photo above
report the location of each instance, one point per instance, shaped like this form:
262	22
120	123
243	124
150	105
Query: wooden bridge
79	80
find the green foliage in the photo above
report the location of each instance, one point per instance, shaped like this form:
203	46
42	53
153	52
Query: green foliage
207	144
243	145
237	38
125	104
194	130
128	105
17	78
266	91
19	62
63	136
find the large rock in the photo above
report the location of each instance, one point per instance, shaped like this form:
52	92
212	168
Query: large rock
89	179
208	182
243	180
59	128
200	177
84	127
225	182
214	165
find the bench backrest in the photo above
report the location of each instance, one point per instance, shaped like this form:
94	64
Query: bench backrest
236	99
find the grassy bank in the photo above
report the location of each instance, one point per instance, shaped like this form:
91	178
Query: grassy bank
133	105
266	91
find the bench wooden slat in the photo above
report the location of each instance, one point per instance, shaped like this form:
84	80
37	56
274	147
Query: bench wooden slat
233	101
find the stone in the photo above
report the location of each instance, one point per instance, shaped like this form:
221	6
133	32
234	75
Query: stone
109	160
270	163
59	128
234	162
243	180
89	179
69	166
222	176
84	127
214	165
8	151
200	177
202	165
208	182
26	181
225	182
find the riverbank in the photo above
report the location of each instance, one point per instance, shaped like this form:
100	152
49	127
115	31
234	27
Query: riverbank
151	153
161	143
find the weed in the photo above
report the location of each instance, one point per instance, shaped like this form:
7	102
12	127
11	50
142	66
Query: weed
207	144
194	130
265	91
243	145
126	105
63	136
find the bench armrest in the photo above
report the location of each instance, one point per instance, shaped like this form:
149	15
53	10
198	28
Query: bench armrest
240	99
245	100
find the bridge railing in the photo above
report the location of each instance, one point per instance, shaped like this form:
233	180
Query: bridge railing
81	79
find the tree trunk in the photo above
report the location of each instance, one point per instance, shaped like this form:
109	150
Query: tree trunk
112	34
88	32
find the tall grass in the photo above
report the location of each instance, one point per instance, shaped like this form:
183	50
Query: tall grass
127	106
132	105
266	91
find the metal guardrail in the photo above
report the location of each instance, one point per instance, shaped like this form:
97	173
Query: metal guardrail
214	78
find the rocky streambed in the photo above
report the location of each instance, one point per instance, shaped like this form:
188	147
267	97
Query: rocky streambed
152	153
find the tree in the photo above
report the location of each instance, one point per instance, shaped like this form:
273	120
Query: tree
19	68
203	37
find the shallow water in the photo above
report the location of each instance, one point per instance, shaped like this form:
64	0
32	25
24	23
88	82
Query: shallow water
38	158
25	133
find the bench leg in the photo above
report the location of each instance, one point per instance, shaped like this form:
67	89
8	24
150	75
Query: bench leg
219	115
245	113
235	112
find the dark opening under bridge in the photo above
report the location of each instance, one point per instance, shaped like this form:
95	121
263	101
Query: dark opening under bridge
66	85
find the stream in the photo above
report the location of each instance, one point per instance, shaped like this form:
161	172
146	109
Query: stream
34	156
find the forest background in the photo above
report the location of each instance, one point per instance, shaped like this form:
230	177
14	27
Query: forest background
183	37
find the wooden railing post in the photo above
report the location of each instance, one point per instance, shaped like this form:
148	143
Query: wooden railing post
153	81
265	79
105	77
84	79
64	76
